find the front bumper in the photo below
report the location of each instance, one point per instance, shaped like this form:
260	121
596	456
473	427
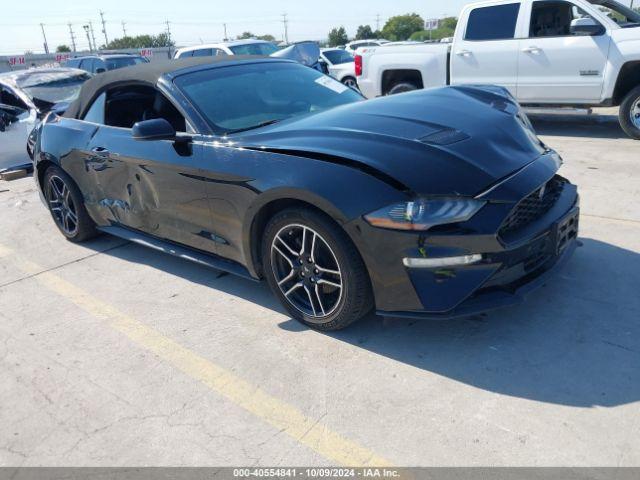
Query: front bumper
513	264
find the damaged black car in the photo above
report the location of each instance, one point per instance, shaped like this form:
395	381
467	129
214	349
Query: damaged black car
431	204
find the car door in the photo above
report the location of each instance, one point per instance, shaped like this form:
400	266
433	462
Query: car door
17	119
486	51
154	186
556	65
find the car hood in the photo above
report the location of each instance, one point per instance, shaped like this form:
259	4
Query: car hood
452	140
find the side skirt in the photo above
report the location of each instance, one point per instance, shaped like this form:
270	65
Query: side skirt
180	251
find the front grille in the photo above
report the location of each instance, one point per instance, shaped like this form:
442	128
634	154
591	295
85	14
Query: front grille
533	206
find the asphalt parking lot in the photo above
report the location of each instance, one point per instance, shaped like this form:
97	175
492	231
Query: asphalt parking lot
112	354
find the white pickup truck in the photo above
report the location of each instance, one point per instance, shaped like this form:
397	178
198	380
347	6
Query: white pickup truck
560	53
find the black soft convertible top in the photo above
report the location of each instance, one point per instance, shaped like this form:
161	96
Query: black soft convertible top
146	73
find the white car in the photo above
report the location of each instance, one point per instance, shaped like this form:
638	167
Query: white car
560	53
238	47
25	96
341	66
351	47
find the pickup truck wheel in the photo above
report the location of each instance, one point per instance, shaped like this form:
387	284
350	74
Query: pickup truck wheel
630	114
402	87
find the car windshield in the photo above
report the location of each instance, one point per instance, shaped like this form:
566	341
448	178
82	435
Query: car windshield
623	16
120	62
254	49
55	87
249	96
338	56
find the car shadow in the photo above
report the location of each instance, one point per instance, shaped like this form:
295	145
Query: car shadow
581	126
574	342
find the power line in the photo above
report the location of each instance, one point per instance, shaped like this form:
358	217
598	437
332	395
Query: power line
73	38
104	28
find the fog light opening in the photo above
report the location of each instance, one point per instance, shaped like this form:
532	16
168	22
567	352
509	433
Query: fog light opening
442	261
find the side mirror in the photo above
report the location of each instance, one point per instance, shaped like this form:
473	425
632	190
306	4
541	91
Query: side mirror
101	70
586	26
155	129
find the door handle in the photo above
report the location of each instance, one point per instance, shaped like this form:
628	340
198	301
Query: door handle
463	53
532	49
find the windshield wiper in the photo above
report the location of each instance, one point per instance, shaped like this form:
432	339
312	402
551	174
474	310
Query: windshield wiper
261	124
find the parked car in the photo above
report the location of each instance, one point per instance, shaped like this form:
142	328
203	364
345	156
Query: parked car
431	204
25	97
341	65
238	47
103	63
351	47
553	53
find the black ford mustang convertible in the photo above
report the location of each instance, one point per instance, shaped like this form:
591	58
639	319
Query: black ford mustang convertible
435	203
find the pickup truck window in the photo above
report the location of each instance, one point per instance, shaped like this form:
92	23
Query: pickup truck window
497	22
553	18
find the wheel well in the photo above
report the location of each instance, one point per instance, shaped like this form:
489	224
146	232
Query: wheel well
628	78
263	216
390	78
41	169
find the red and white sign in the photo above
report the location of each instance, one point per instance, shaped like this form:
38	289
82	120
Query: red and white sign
61	57
146	52
13	61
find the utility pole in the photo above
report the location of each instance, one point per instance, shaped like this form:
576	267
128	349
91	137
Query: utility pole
93	37
46	45
73	37
226	38
86	30
168	32
377	22
104	28
124	29
286	28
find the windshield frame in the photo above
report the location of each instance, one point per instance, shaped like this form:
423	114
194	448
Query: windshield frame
618	7
203	119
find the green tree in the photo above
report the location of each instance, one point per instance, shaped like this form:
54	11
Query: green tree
140	41
364	32
338	36
266	38
246	36
446	28
401	27
63	49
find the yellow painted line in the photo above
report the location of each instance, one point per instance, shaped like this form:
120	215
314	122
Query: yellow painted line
307	431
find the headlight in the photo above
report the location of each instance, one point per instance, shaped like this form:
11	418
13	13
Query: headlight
422	214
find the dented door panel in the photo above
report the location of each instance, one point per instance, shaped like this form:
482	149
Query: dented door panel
152	186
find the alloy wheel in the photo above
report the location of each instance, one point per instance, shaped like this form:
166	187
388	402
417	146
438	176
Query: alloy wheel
61	205
306	271
635	114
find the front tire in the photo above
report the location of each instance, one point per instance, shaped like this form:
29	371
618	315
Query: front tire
315	270
630	114
350	82
66	206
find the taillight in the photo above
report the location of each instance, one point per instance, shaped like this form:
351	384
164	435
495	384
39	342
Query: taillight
358	60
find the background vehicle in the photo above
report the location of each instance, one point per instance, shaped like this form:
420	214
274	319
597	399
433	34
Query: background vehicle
351	47
340	64
103	63
25	97
546	52
238	47
252	169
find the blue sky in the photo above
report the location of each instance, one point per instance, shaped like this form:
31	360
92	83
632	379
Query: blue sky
196	21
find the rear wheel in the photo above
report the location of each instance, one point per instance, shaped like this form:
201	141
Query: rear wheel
66	206
350	82
630	114
402	87
315	270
